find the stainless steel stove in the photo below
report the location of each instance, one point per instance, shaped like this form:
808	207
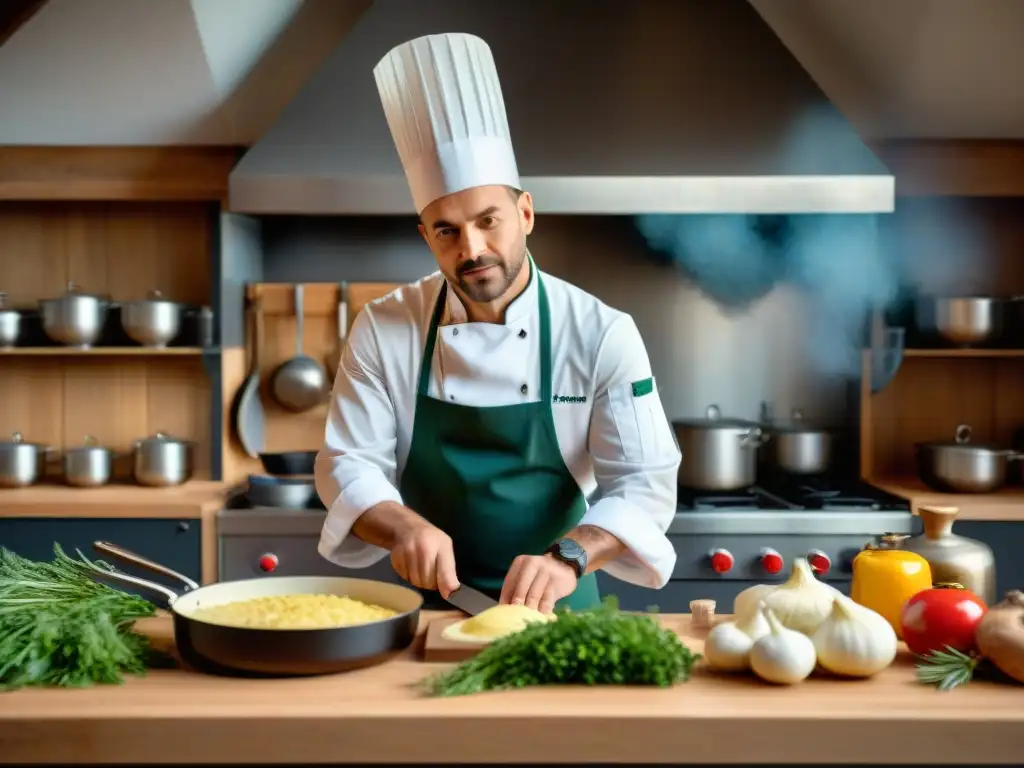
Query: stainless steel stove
725	542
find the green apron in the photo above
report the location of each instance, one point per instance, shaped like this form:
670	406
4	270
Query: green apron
493	478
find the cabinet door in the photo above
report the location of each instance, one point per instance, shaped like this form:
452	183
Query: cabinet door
174	543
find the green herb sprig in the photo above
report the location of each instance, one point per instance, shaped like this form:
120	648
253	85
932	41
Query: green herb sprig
946	669
597	647
59	626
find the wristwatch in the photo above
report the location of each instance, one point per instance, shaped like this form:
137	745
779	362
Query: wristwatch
570	553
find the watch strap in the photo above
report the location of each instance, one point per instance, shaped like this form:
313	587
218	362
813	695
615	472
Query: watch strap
578	563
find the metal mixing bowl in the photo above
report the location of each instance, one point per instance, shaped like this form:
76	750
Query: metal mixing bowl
152	322
76	318
963	320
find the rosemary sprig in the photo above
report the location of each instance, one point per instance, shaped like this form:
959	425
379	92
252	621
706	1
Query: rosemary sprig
946	669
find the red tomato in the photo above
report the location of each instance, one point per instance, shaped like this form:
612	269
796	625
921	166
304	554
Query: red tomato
945	615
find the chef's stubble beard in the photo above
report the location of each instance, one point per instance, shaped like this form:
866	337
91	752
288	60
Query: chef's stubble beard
491	291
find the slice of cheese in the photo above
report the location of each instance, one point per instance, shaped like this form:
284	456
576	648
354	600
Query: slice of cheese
493	623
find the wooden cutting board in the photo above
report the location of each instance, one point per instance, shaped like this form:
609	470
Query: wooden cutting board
440	649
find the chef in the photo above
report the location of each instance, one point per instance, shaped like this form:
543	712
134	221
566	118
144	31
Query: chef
490	425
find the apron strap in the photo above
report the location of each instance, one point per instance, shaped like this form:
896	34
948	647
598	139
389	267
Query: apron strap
423	386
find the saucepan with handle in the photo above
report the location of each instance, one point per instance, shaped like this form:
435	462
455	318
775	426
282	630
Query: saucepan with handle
278	652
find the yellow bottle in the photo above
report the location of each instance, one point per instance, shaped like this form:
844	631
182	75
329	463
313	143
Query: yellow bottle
885	577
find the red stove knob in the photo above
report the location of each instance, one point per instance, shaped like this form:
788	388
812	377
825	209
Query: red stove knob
819	561
268	562
722	560
771	561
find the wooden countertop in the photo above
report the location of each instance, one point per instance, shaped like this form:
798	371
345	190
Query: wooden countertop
375	715
191	500
1005	505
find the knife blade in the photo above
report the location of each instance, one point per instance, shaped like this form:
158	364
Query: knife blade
470	600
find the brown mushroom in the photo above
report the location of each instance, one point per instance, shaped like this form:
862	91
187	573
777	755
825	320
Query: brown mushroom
1000	635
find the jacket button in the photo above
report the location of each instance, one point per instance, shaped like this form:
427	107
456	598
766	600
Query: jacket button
524	389
522	334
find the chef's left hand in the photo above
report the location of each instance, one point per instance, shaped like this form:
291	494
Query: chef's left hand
538	582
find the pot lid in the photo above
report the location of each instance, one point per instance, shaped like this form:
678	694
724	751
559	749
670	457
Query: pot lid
161	438
962	439
155	296
796	423
16	440
713	419
90	443
74	291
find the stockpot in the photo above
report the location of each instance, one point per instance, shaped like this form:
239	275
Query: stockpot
719	453
961	466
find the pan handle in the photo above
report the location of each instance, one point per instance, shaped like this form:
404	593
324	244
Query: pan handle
132	558
127	580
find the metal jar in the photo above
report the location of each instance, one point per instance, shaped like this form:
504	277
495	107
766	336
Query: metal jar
963	467
21	463
88	466
719	454
162	461
954	559
800	448
76	319
962	320
152	322
10	324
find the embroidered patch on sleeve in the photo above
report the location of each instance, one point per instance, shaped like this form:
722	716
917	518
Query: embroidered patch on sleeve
643	387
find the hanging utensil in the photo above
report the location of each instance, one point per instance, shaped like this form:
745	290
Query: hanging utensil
300	383
333	358
247	414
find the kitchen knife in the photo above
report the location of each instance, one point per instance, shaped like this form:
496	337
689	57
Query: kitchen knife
470	600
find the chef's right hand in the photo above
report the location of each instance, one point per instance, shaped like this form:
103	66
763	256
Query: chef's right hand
423	555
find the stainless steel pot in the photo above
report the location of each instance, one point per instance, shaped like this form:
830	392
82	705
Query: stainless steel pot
88	466
10	324
964	467
962	320
800	448
21	463
152	322
286	492
162	461
76	318
719	454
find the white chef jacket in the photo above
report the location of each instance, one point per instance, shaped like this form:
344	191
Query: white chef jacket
619	447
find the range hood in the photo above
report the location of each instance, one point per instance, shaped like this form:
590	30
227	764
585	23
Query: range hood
651	106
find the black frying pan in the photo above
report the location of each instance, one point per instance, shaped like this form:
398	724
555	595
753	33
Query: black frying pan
289	462
276	652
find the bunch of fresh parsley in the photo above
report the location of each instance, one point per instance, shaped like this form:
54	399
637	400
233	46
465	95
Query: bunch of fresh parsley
597	647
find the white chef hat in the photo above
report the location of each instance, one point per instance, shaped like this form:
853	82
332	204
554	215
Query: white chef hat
442	100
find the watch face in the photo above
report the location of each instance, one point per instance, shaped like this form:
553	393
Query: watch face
570	549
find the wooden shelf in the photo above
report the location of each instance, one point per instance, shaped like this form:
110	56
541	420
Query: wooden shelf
116	173
941	352
191	500
103	351
1004	505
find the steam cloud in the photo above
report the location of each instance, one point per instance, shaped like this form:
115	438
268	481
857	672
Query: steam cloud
836	260
839	261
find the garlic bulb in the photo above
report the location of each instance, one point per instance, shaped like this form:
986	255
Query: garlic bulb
728	644
854	641
783	656
801	603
